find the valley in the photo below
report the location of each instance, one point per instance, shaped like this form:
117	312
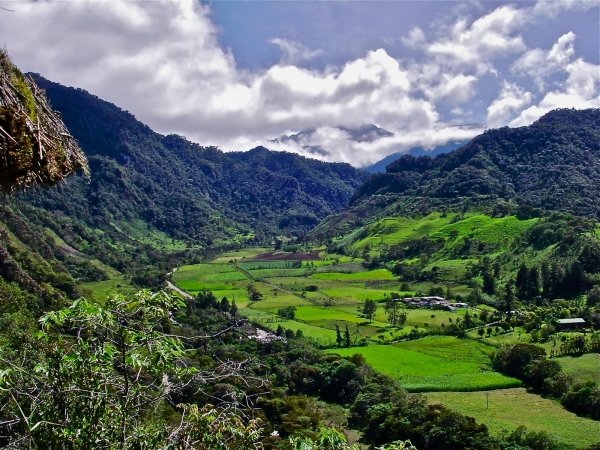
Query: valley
313	293
267	300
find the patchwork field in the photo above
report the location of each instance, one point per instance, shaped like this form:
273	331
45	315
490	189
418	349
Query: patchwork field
504	410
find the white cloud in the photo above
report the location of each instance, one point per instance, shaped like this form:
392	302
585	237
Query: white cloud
551	8
294	52
540	64
415	38
340	147
455	89
474	45
162	61
581	91
511	101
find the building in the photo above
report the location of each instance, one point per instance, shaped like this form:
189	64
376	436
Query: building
571	324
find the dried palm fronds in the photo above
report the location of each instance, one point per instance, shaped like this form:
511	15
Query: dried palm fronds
35	146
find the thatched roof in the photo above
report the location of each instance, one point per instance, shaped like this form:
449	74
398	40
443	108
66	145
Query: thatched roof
35	146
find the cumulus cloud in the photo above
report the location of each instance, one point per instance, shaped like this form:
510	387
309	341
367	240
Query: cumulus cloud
415	38
511	101
162	61
581	91
474	44
551	8
540	64
364	153
455	89
294	52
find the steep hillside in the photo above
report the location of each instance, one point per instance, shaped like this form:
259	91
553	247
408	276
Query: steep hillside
553	164
186	190
151	201
379	166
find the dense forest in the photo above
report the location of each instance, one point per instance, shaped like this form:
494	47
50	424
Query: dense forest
551	164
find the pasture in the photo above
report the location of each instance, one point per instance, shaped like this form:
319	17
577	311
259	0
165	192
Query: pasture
504	410
435	363
582	368
326	293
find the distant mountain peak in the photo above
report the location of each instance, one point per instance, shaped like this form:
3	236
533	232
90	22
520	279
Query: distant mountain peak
307	139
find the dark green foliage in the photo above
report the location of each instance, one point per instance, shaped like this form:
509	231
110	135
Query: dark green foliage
583	399
188	191
289	312
514	360
368	309
593	296
553	164
528	363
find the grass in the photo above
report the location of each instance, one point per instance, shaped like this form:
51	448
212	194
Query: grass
420	317
452	229
246	253
278	273
509	408
99	291
201	276
141	232
437	363
582	368
379	274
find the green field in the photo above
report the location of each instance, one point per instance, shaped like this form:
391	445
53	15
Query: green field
509	408
246	253
196	277
99	291
582	368
380	274
451	229
437	363
336	296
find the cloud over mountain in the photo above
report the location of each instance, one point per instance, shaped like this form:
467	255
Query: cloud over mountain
162	60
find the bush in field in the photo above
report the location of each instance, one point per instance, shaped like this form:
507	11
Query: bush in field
513	360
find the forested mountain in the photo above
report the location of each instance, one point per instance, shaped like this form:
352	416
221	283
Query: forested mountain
552	164
380	166
150	196
187	190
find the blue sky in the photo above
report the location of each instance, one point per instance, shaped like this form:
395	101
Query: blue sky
240	73
344	30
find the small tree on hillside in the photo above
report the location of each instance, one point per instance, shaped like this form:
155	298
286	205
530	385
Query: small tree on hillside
369	309
347	339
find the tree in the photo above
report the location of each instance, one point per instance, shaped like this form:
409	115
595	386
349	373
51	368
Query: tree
401	318
547	282
534	283
509	297
347	339
575	279
489	284
253	293
391	309
98	375
522	283
468	321
369	308
481	332
593	296
338	336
